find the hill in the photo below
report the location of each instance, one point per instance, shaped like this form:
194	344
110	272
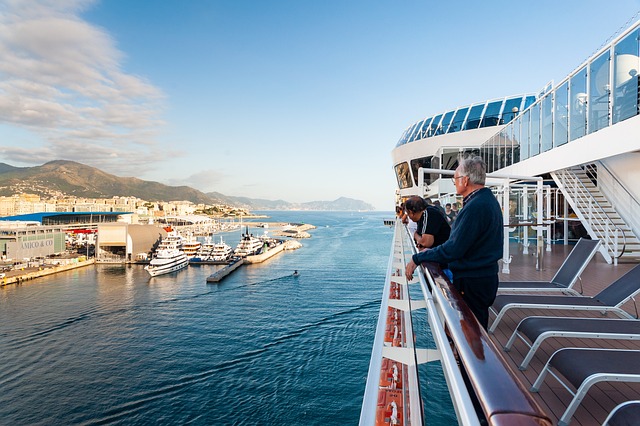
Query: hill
61	177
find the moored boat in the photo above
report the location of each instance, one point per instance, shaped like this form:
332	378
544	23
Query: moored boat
248	245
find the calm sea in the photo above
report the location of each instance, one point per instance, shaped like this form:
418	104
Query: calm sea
109	345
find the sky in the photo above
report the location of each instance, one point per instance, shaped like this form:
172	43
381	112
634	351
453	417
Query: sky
299	100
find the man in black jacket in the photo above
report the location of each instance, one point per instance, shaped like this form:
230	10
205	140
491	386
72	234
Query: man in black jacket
475	245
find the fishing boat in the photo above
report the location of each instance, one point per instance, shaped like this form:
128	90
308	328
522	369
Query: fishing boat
248	245
563	163
168	257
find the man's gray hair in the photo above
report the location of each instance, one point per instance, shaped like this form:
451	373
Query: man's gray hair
475	168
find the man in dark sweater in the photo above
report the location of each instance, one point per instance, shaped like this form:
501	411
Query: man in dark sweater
475	245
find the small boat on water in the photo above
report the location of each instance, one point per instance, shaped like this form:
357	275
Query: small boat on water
169	257
248	245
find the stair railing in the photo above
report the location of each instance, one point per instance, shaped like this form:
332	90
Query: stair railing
625	201
591	214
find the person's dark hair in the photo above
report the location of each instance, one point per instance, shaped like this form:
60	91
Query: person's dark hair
415	204
448	205
475	168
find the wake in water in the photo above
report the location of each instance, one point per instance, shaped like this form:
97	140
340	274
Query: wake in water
240	362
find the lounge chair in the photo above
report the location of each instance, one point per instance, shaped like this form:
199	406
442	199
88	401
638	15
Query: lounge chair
537	329
566	276
609	299
625	414
583	368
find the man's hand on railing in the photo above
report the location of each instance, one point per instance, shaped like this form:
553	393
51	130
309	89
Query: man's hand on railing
408	272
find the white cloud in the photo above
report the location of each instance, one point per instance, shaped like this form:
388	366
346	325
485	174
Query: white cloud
61	79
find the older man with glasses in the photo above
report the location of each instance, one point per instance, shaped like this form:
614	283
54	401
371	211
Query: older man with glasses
475	244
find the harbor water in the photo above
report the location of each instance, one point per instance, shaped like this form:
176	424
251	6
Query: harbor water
106	344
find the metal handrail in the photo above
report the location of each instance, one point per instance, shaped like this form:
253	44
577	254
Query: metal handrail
580	193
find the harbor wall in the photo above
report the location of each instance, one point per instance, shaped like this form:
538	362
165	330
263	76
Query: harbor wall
29	275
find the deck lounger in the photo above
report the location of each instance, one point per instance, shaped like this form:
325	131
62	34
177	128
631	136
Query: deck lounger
566	276
537	329
583	368
625	414
609	299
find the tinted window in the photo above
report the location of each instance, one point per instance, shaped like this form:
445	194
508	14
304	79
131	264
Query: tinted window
511	109
426	163
473	121
425	126
458	119
416	132
434	125
445	123
578	105
492	114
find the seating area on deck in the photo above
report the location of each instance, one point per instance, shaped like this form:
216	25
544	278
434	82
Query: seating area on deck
602	397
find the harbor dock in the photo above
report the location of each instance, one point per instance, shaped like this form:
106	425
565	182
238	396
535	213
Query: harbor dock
221	273
18	276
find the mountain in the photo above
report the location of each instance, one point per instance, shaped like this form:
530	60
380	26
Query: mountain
61	177
341	204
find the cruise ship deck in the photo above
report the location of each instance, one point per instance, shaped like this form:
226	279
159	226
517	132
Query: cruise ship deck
552	397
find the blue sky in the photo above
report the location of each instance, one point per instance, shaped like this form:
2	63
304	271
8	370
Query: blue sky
298	100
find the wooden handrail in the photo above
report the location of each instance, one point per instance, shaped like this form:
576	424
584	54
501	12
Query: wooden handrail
503	398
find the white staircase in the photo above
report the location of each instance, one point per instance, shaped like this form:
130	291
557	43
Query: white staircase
596	213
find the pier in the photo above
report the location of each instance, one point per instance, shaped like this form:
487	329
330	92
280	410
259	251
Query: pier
221	273
19	276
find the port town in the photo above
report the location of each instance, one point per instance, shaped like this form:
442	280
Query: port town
34	245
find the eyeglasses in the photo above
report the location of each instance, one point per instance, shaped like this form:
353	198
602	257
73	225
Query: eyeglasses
457	177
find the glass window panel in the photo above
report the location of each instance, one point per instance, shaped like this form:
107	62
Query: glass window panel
534	131
529	100
425	127
434	125
598	104
578	105
426	163
473	121
403	176
561	120
409	133
402	138
511	109
524	135
625	77
446	120
416	131
546	135
458	119
491	115
508	157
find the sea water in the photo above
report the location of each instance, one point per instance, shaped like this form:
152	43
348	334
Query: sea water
109	345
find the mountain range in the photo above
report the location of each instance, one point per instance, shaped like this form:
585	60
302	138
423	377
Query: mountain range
61	177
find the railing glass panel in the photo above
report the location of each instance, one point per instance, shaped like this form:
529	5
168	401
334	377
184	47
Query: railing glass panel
546	134
599	88
534	140
561	118
578	105
626	67
524	135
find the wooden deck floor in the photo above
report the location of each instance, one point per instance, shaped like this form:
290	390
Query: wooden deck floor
552	397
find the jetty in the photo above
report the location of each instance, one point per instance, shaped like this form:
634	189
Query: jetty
221	273
24	274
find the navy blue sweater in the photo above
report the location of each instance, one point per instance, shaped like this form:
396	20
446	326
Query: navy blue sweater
476	240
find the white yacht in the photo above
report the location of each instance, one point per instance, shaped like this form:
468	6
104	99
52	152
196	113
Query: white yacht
191	246
169	257
567	154
221	251
248	245
204	252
